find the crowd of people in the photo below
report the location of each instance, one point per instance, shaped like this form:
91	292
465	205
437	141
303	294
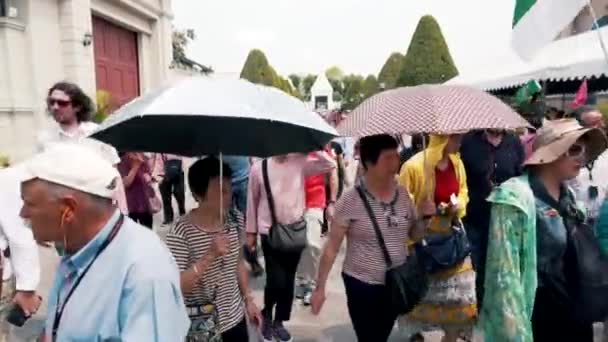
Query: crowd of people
506	202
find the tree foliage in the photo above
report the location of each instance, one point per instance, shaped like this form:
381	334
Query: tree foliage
307	82
334	73
352	91
389	74
104	106
180	41
428	59
296	81
370	86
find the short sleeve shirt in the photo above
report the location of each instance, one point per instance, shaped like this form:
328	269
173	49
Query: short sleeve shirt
364	258
188	243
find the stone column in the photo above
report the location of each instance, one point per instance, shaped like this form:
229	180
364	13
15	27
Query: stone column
75	23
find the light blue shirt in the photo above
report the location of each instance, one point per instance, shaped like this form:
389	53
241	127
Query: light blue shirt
239	166
131	293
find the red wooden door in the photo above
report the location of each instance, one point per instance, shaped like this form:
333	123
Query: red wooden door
116	61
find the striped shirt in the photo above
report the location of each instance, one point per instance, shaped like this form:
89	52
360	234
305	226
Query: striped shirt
364	258
188	243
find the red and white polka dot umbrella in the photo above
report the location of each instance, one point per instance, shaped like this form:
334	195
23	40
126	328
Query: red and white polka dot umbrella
436	109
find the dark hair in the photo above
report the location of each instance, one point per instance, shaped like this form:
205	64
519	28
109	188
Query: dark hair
202	171
418	141
78	98
334	145
371	147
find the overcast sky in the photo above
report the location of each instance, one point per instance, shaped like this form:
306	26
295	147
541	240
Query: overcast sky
309	36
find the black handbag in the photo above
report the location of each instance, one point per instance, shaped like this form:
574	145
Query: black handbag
438	252
289	238
590	271
407	283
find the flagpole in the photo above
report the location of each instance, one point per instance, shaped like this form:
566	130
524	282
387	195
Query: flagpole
599	34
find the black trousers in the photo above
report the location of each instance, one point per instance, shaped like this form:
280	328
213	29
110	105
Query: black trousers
368	307
280	281
173	186
553	322
237	334
478	237
145	219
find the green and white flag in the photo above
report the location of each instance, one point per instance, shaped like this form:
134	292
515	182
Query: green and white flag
536	23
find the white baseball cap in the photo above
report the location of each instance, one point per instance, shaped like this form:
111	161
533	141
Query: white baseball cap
74	166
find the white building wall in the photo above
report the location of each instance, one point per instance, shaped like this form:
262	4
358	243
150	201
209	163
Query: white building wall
44	44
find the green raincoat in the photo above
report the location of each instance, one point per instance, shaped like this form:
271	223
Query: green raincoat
511	269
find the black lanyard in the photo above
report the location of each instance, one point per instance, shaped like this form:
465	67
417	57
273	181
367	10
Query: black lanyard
59	308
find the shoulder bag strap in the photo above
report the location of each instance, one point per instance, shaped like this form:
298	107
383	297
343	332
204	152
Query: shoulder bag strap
372	217
268	191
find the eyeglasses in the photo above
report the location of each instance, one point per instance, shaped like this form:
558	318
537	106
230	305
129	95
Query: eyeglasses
576	151
61	103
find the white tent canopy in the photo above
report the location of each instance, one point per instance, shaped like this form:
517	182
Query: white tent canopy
572	58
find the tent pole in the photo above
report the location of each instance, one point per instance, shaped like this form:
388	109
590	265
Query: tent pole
599	34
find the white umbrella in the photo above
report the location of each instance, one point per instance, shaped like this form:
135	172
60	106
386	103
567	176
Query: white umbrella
203	115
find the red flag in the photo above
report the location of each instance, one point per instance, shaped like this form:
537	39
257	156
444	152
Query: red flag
581	96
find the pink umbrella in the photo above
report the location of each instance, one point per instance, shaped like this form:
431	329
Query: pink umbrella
437	109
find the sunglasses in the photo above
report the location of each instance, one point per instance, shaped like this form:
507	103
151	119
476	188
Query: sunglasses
576	151
61	103
494	132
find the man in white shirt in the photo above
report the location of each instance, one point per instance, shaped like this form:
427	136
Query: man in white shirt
591	185
72	109
21	263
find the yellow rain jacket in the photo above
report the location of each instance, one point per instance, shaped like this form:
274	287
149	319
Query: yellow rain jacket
413	176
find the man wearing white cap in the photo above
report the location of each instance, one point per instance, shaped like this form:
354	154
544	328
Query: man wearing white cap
117	280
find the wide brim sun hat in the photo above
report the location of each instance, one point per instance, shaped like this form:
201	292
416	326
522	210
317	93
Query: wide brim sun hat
555	138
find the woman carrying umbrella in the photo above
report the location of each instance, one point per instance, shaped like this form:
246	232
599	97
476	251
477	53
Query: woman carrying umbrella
208	252
437	175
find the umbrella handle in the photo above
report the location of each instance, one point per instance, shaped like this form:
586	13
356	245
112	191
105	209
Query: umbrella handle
221	189
426	186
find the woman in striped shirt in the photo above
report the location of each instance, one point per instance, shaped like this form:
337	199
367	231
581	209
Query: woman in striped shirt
364	265
209	255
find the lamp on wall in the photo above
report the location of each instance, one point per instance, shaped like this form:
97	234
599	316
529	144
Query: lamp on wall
87	39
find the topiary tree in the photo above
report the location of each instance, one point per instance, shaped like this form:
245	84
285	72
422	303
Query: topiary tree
428	59
258	70
387	78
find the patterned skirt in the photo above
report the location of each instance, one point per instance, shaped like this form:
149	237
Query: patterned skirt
449	305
